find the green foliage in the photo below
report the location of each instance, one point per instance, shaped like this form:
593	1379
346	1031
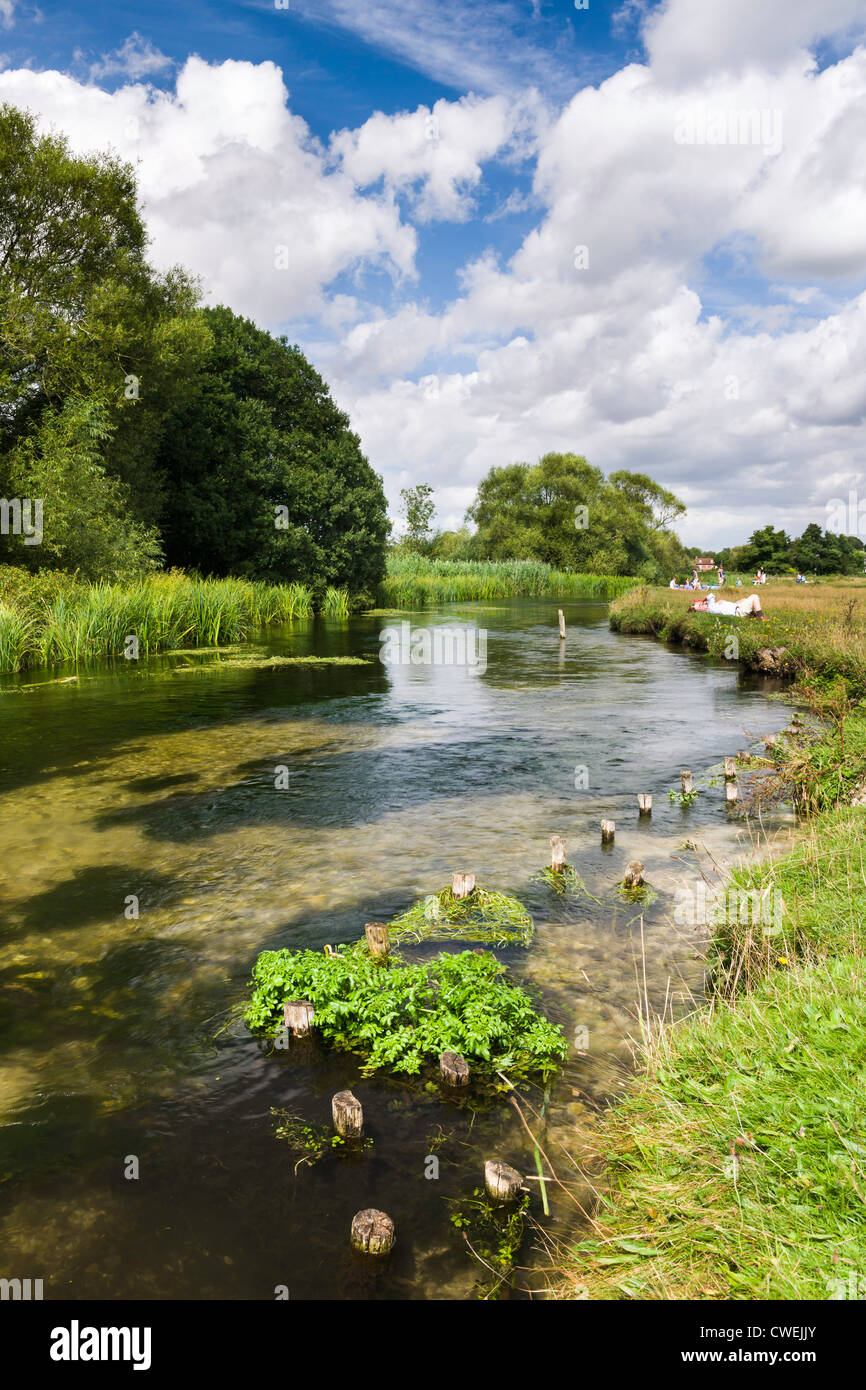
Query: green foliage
481	916
309	1142
417	506
264	478
414	581
815	552
494	1232
405	1016
48	618
95	348
564	513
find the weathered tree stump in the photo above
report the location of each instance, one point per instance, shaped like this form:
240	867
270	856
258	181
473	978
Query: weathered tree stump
645	803
462	885
686	780
378	942
561	626
454	1069
557	853
730	792
373	1232
503	1182
298	1017
348	1115
608	829
633	874
730	769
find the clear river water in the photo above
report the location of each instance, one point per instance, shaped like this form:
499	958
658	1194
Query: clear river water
158	780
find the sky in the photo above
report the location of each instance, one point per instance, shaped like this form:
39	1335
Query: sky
634	231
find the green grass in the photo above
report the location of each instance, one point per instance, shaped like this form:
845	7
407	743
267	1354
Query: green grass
413	582
816	632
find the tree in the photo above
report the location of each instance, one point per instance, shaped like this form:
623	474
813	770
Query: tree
263	476
563	511
95	347
767	547
417	507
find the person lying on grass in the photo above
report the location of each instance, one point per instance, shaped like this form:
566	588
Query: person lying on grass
745	608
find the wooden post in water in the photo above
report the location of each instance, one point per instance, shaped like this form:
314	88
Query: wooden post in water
645	803
462	885
608	830
373	1232
298	1017
730	793
561	626
378	942
730	769
557	853
686	780
348	1115
633	874
454	1069
503	1182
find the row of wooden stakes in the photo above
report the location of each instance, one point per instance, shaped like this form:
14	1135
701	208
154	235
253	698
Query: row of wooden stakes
373	1232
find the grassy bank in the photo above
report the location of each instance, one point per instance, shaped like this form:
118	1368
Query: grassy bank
810	630
49	618
736	1168
413	581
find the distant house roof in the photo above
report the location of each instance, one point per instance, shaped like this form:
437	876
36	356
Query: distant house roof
705	562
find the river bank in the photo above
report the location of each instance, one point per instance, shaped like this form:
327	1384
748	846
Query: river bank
736	1168
49	618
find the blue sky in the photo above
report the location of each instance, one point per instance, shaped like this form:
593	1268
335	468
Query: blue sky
432	168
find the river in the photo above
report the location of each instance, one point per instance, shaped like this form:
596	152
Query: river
157	781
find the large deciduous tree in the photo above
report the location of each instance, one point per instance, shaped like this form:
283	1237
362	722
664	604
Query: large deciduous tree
263	475
95	348
565	512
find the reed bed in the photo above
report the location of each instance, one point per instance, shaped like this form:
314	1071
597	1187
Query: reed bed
414	581
45	624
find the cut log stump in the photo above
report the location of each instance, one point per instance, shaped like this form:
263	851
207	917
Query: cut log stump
298	1017
503	1182
645	803
454	1069
686	780
348	1115
633	874
561	625
608	829
730	793
462	885
378	942
730	769
373	1232
557	853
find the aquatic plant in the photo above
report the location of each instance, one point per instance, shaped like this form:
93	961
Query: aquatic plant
310	1142
336	603
414	581
562	881
45	619
494	1235
404	1016
483	915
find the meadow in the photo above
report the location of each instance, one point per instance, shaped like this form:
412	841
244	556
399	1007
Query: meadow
819	629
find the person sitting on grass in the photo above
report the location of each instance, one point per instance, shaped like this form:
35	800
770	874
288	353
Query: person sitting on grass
746	607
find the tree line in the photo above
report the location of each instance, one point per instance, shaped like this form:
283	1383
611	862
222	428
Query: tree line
155	431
